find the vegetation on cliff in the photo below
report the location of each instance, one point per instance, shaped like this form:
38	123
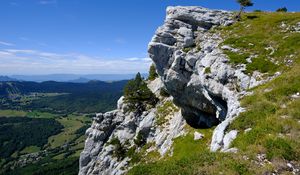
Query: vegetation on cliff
138	95
152	73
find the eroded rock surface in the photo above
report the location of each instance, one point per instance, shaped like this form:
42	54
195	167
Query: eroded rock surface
98	154
190	61
196	73
194	69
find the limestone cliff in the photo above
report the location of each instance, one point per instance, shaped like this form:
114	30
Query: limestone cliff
196	73
99	155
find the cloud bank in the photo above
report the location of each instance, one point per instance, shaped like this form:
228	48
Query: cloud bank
30	62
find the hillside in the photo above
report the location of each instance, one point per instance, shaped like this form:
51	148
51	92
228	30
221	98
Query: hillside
42	125
61	97
234	104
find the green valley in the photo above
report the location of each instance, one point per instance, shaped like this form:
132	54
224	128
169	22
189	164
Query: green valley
42	125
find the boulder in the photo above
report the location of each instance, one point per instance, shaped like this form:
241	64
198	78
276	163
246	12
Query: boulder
228	138
198	136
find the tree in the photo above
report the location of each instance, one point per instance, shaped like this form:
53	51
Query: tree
243	4
138	95
152	73
283	9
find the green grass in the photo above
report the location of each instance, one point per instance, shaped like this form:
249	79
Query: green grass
32	114
163	111
279	148
12	113
264	116
271	112
262	65
71	124
193	157
37	114
77	153
30	149
237	58
258	31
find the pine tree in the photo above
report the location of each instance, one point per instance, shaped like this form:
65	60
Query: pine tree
138	95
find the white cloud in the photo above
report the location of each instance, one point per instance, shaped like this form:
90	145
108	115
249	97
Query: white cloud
14	61
6	43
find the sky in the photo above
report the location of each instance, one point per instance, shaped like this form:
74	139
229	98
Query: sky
90	36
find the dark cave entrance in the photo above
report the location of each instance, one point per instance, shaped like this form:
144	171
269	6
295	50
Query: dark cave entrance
200	119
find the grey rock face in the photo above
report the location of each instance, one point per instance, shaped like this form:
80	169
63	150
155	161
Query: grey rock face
200	80
97	156
183	73
196	72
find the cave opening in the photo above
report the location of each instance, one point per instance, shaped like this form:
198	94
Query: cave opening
200	119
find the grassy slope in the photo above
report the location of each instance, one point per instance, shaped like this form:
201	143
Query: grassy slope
12	113
71	124
272	134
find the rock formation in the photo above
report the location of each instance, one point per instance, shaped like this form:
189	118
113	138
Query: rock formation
98	155
192	67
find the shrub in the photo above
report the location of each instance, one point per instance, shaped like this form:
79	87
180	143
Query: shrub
152	73
164	93
131	152
187	49
114	141
207	70
140	139
119	151
162	111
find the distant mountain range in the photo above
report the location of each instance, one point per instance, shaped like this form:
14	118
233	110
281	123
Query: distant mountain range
76	78
6	78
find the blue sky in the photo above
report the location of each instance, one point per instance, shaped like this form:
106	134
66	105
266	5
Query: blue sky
89	36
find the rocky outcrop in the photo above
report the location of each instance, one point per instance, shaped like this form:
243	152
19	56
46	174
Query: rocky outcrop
98	155
195	71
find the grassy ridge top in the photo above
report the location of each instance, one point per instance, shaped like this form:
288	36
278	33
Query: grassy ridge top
273	112
270	38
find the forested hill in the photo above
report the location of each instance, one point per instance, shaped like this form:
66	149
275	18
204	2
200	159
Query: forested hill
26	87
61	97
